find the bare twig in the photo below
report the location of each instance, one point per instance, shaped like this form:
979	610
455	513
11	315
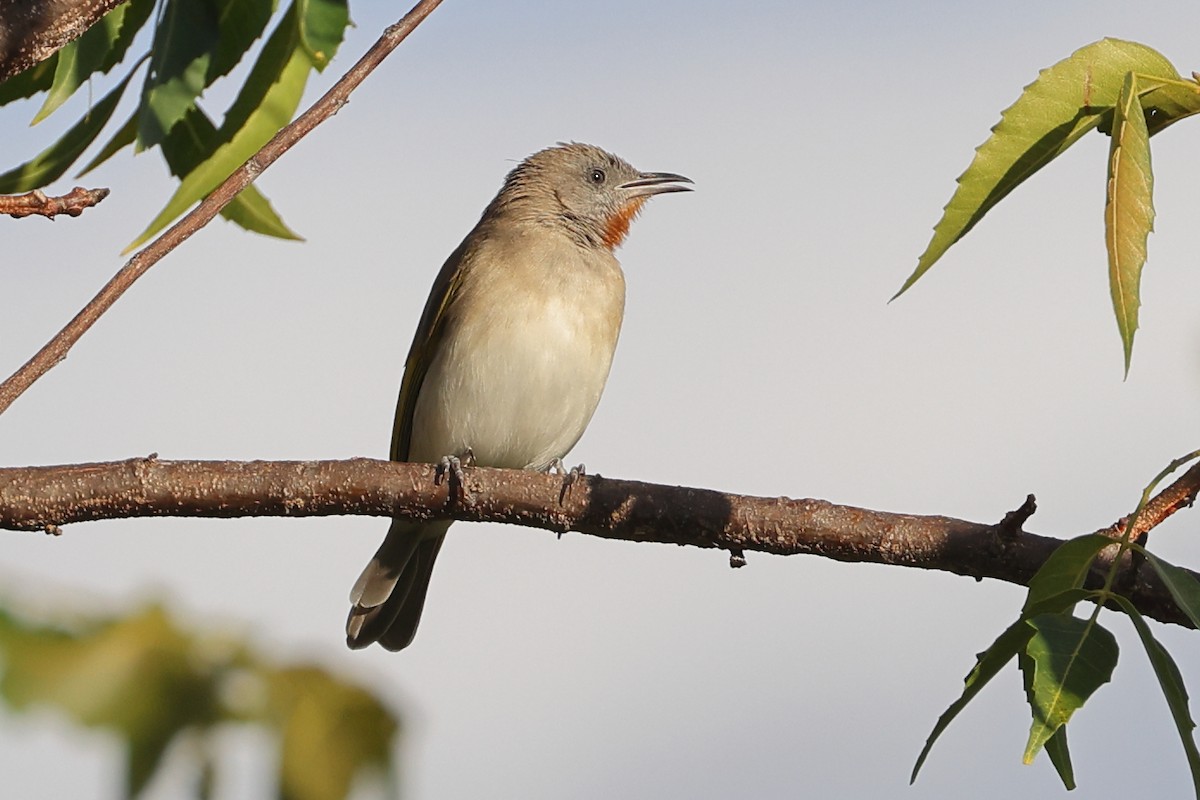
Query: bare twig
44	498
56	349
33	30
1180	494
36	202
1011	526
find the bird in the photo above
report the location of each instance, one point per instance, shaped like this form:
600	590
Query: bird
511	353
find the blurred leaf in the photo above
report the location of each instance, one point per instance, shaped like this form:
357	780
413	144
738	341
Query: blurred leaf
1066	101
1171	681
154	685
1128	209
99	49
125	136
188	143
1182	585
1060	757
1064	570
988	664
322	26
331	731
184	41
27	83
1065	661
240	22
52	162
135	675
266	103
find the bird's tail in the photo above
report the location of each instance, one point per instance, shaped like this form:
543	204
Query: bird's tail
389	595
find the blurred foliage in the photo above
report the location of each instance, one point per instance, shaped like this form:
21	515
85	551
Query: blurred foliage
153	684
1123	89
191	45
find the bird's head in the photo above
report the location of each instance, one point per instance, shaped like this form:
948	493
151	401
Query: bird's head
594	194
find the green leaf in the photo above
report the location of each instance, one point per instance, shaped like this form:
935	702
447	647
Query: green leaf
52	162
241	22
987	665
27	83
1166	102
1182	585
322	25
253	211
125	136
99	49
188	144
1128	209
1064	570
330	730
1171	681
266	103
184	41
1065	661
1065	102
1060	757
117	675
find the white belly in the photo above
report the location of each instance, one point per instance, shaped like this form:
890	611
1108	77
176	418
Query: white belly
520	383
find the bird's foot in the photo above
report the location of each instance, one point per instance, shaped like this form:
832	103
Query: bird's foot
569	476
451	468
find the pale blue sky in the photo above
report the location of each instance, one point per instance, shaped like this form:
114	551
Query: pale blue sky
759	355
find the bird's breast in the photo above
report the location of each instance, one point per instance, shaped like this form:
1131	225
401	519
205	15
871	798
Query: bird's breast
524	358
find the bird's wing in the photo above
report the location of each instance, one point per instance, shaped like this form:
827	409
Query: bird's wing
423	349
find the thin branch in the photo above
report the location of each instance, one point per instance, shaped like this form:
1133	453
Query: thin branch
1180	494
36	202
56	349
45	498
33	30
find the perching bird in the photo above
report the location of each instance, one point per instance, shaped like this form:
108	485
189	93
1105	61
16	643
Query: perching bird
512	350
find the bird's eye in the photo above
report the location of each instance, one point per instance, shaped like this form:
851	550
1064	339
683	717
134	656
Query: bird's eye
596	176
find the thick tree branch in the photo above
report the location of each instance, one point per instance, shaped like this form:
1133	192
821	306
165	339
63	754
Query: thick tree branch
44	498
36	202
56	349
33	30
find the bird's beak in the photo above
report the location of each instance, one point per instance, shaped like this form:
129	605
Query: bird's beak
651	183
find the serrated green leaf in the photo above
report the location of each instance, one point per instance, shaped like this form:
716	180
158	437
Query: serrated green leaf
184	40
1065	661
1060	757
241	22
1182	585
1171	681
98	50
27	83
1166	102
1066	101
77	61
52	162
253	211
1064	570
322	25
188	144
266	103
1128	209
987	665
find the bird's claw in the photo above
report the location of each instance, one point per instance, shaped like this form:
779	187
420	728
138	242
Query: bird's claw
569	476
451	468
